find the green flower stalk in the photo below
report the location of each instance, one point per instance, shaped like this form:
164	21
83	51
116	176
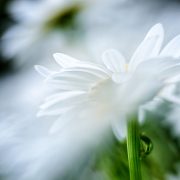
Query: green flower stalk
133	148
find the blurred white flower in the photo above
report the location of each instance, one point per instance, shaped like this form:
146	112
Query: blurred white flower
122	25
42	27
27	152
36	36
19	92
102	94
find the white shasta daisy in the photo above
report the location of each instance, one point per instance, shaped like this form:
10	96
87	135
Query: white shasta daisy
104	93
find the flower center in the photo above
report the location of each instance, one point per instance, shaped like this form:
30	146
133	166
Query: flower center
126	66
65	19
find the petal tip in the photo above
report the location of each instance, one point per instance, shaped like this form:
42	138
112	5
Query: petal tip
157	28
158	25
42	70
55	55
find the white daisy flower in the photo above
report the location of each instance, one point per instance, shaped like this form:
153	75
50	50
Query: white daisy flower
102	94
41	25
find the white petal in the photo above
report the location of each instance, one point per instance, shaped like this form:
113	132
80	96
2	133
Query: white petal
95	72
64	121
64	60
120	127
65	85
144	87
56	95
174	79
63	107
141	114
114	61
43	71
77	76
149	48
157	65
172	98
59	125
64	103
170	72
172	48
53	112
62	98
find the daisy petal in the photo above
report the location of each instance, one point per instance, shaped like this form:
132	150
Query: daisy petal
75	76
172	48
114	61
169	94
64	60
65	85
62	97
64	121
157	65
174	79
119	127
60	105
61	123
172	99
95	72
54	112
43	71
149	48
170	72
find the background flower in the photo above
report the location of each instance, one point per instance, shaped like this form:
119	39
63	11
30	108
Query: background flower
38	33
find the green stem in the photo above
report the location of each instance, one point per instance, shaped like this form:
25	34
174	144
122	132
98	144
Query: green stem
133	148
